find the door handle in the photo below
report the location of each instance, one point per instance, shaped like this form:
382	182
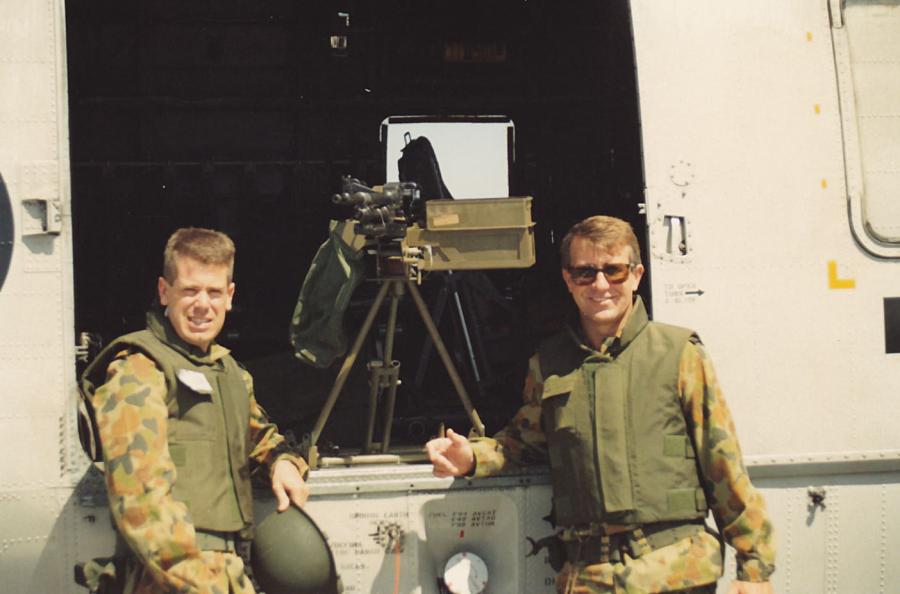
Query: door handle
676	235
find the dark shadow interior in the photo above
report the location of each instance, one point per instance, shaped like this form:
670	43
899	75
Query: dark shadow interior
242	116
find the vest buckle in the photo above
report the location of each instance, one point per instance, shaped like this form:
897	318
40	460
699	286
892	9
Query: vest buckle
594	529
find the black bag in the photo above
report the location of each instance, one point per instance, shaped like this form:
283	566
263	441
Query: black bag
419	164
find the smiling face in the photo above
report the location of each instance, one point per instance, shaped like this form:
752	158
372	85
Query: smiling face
602	304
197	300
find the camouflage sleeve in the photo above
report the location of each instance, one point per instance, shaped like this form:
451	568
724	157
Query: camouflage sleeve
522	441
132	421
269	445
738	508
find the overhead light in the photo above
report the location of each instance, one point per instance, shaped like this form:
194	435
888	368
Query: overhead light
339	38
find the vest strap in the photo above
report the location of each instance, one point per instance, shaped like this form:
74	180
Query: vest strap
595	529
636	541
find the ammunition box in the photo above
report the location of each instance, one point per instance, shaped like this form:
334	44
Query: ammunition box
476	234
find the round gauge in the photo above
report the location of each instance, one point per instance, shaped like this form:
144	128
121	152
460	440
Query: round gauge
465	573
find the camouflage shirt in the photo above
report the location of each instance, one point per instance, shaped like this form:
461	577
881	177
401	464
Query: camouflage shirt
132	419
738	508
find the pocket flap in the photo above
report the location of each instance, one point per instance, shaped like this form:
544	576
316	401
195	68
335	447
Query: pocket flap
556	385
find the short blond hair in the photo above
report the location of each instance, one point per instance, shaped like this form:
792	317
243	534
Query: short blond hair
203	245
607	232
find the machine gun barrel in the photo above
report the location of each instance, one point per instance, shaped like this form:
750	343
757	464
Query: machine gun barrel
381	212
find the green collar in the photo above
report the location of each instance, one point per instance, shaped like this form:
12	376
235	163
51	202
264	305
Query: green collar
159	325
635	323
613	345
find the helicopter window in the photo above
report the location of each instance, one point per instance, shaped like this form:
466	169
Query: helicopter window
867	52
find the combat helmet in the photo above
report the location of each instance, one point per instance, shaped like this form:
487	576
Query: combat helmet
290	555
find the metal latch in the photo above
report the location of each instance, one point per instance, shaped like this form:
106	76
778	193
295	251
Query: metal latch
816	497
41	216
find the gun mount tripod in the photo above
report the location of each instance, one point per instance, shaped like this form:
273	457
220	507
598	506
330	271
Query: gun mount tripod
385	374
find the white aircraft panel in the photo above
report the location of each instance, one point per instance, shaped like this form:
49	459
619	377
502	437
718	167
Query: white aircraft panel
370	514
367	533
748	152
883	213
36	394
486	523
31	103
35	142
861	536
32	543
539	575
369	539
36	368
30	40
36	440
32	317
27	30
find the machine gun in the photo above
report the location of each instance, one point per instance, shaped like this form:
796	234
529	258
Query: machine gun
453	234
379	213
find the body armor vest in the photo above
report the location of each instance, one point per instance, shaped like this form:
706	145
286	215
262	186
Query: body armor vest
208	424
620	451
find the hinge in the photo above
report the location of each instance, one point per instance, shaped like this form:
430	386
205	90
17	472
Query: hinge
41	216
41	204
836	13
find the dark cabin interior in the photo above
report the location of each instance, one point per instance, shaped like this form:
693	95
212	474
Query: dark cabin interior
243	116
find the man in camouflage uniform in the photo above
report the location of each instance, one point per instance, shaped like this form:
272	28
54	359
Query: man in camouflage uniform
640	443
181	431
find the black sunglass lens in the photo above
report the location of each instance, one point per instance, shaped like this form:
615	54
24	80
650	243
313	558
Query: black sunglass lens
584	274
615	272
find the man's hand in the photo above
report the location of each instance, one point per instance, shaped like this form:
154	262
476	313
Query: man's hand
451	455
288	486
738	587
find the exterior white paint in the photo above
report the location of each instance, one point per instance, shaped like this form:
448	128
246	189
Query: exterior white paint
36	304
746	95
744	134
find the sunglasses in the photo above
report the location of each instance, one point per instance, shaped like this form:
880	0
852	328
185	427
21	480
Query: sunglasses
586	275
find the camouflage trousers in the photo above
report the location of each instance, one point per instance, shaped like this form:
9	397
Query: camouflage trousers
230	580
223	573
691	565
